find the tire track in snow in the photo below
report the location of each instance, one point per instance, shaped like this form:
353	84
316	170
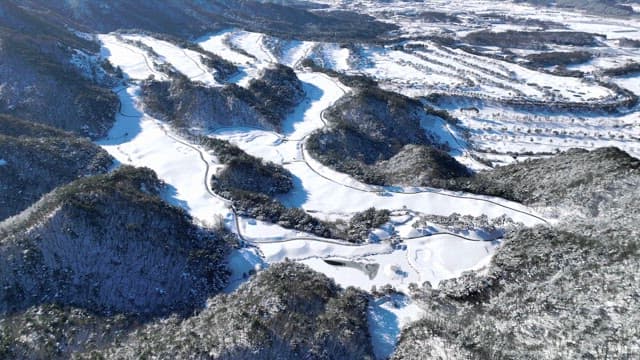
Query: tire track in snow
271	58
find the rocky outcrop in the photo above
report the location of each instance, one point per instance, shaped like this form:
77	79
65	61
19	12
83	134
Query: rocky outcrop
38	158
286	312
110	244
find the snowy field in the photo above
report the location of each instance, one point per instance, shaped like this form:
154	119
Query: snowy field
187	62
139	140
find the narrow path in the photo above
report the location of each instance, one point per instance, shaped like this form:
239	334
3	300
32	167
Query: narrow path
379	189
195	62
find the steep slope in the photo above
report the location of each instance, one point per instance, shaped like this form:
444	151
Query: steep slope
110	244
38	80
38	158
286	312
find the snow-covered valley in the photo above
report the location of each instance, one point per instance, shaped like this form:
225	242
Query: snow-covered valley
319	179
400	252
414	257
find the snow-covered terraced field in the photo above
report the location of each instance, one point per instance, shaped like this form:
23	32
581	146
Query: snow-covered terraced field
403	13
496	128
508	131
436	69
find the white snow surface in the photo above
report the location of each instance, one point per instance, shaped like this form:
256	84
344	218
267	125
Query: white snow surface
186	61
432	258
328	193
387	317
134	62
3	162
244	49
140	140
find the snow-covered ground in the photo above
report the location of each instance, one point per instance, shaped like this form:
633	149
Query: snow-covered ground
140	140
421	67
402	13
433	258
498	130
134	62
186	61
387	316
244	49
438	69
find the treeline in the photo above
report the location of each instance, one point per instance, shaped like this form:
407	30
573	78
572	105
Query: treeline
530	39
555	58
